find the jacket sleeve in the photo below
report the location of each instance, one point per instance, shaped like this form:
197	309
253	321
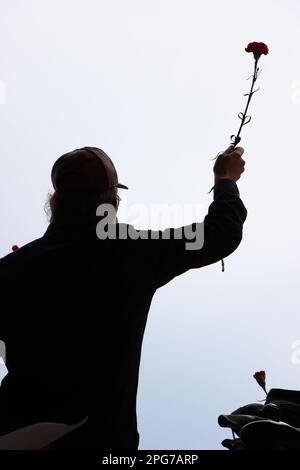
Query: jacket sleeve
217	237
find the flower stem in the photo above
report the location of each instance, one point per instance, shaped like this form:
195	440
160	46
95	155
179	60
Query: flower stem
237	137
223	265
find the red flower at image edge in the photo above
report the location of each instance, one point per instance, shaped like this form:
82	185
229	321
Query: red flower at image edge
260	378
258	48
15	248
260	375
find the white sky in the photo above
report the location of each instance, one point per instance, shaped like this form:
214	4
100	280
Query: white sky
158	85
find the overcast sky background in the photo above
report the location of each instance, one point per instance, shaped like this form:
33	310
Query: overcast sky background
158	85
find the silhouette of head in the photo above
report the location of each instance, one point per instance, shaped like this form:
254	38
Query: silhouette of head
83	179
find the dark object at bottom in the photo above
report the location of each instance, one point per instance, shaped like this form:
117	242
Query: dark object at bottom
275	425
271	435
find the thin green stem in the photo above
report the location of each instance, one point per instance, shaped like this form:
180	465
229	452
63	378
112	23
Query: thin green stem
237	138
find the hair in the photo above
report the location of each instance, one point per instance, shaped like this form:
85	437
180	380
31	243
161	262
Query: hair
62	207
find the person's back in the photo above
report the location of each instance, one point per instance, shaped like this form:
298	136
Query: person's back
79	307
74	310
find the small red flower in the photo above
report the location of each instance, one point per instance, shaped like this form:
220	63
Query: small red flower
258	48
260	378
15	248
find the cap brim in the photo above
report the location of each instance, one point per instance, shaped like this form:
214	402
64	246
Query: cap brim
122	186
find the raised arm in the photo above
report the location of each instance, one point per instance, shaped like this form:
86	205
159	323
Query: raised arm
222	227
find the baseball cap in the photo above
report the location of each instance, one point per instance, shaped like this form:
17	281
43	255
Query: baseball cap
85	169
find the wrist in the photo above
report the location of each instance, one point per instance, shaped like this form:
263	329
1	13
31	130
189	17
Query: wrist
223	177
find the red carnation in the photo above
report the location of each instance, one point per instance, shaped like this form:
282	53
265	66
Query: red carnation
15	248
258	48
260	378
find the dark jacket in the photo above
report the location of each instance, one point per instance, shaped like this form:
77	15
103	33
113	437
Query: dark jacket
73	315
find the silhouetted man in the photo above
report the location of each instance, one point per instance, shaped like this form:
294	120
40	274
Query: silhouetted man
75	301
